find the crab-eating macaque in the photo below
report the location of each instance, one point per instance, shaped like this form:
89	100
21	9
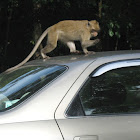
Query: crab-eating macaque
67	31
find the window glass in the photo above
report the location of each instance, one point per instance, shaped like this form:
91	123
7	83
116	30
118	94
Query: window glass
22	83
76	108
116	91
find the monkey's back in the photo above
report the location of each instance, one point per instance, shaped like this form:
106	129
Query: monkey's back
70	29
71	25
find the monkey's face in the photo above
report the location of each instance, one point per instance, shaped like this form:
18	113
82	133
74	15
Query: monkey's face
94	27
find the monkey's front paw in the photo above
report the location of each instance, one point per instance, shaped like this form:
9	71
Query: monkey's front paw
44	56
97	41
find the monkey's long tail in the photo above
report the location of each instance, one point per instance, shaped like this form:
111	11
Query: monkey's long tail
32	52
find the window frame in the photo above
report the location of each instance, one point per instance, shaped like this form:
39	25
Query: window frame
99	71
118	64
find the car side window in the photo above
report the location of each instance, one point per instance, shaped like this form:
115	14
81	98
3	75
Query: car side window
116	91
20	84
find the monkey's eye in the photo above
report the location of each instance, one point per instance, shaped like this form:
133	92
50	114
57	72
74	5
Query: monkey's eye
88	24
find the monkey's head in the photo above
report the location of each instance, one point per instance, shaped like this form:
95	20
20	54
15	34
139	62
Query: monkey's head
94	27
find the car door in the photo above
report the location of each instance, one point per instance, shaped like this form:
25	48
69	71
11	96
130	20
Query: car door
107	105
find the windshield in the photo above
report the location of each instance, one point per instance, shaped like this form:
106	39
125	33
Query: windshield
24	82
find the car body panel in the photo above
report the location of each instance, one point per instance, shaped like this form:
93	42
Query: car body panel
44	114
104	127
31	131
70	60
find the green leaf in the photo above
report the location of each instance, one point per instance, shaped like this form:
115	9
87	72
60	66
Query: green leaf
67	4
32	42
111	24
111	33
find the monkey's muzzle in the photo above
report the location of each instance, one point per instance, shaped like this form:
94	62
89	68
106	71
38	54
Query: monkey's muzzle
94	32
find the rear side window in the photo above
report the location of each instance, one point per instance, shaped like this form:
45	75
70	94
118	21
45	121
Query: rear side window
24	82
113	92
116	91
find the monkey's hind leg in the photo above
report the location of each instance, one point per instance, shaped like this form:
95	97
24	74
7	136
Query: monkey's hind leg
51	45
72	48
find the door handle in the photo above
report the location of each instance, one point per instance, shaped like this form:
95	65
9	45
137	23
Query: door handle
86	137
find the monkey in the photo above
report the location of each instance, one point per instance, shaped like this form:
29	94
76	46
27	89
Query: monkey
69	31
66	31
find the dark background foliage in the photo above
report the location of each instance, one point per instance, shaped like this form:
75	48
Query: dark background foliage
23	21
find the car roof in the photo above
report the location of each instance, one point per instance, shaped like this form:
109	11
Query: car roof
82	59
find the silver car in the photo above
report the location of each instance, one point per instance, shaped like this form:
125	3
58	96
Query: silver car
76	97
